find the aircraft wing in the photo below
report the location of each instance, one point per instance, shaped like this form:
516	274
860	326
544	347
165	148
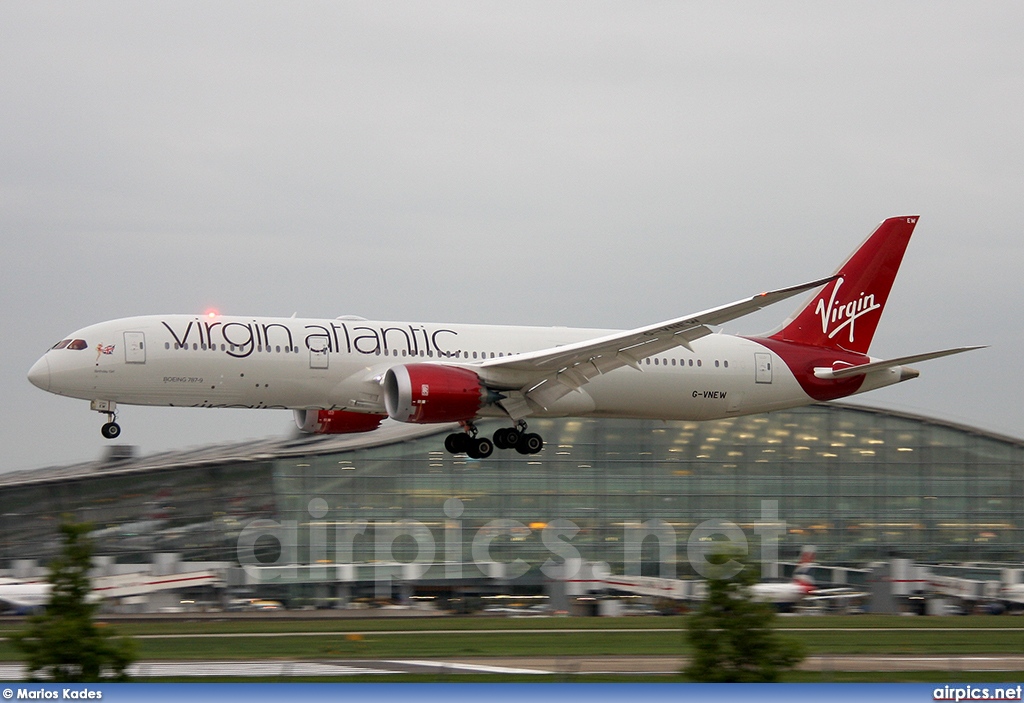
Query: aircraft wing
839	593
848	371
539	378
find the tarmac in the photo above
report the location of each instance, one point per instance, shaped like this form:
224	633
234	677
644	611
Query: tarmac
560	667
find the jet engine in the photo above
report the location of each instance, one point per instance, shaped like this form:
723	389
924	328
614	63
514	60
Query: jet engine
426	393
336	421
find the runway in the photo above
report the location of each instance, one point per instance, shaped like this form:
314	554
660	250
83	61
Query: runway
567	666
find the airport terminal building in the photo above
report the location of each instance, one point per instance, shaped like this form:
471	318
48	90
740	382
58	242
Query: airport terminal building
861	484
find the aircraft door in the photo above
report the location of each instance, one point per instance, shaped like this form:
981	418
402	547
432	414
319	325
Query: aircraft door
762	367
319	353
134	348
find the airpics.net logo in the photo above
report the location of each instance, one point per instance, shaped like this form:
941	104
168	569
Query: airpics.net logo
840	316
977	693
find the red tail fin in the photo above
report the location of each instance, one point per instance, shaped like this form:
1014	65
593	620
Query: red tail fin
845	313
802	573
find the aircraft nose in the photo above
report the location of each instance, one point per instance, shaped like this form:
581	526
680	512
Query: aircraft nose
39	374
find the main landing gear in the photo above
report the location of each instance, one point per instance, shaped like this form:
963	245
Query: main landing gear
110	430
504	438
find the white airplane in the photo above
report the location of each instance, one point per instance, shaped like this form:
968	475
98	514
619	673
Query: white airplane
23	597
801	587
348	374
1012	594
789	592
796	589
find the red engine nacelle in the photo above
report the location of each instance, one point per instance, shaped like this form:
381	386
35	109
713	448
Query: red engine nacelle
425	393
336	421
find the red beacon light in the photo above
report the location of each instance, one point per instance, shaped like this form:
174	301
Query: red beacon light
212	313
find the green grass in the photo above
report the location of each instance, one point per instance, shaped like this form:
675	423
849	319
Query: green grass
418	638
399	638
334	624
184	626
397	646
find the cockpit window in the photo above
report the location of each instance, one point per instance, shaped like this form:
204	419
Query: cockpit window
78	344
61	344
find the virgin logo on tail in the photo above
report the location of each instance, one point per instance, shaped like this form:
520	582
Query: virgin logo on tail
845	314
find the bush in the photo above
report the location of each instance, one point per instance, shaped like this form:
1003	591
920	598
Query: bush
63	643
733	636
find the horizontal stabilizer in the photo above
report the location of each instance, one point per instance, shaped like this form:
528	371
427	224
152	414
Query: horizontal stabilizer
827	373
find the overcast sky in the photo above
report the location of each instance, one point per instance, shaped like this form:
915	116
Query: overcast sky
592	164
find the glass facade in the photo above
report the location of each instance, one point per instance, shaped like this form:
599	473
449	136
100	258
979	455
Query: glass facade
860	484
197	511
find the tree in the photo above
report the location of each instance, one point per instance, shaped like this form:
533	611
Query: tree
733	636
63	643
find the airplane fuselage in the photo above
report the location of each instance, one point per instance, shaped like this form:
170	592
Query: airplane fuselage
302	364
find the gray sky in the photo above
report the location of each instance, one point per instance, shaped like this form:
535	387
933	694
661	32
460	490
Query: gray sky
592	164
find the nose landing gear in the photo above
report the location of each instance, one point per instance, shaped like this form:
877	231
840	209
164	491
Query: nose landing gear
110	430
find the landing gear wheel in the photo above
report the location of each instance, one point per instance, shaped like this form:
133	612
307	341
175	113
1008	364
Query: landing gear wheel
479	448
111	430
456	442
506	437
529	443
